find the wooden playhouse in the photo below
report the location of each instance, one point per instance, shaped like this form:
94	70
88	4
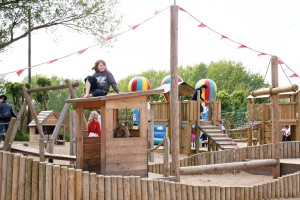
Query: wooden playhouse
48	120
108	155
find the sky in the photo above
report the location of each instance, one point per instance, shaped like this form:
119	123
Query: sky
269	26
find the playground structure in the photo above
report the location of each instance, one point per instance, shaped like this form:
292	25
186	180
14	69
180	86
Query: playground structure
189	115
48	120
289	110
106	154
45	181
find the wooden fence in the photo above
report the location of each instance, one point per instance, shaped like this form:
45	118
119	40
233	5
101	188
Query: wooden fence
24	178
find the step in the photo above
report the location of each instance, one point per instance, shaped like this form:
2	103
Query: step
225	143
220	138
212	130
223	147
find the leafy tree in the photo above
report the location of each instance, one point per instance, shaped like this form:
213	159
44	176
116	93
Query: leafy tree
42	97
14	90
233	76
19	18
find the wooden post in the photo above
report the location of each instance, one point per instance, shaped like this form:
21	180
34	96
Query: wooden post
38	125
275	117
174	92
197	130
166	168
151	135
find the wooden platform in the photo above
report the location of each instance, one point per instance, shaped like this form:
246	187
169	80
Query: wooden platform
35	152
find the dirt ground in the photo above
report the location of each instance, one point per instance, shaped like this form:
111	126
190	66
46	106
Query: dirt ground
238	179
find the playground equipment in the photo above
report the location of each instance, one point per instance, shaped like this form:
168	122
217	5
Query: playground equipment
48	120
15	122
189	112
288	114
108	155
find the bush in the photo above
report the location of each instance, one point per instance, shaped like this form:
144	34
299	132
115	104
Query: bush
22	137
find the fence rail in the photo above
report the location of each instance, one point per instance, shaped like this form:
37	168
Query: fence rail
24	178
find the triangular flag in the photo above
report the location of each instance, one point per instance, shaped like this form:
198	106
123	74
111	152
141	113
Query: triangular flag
181	9
280	62
261	54
156	12
294	75
81	51
134	26
223	37
202	25
108	38
20	72
242	46
52	61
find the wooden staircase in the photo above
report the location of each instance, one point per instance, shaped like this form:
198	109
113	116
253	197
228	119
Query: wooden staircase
216	138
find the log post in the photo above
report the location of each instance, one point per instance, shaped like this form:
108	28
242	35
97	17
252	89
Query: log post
174	92
275	116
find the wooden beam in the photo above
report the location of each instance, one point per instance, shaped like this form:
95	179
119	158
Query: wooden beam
201	169
274	90
38	125
56	87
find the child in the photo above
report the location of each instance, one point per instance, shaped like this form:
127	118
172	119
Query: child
99	83
93	125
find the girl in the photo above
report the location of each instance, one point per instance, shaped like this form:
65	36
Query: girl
93	125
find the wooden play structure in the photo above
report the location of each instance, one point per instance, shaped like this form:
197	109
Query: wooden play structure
189	114
37	125
108	155
48	120
289	109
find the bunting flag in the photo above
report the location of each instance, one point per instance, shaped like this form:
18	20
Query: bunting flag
294	75
82	51
280	62
202	25
223	37
20	72
52	61
108	38
261	54
134	26
156	12
181	9
242	46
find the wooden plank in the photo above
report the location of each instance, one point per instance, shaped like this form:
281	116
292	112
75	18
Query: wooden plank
93	186
78	184
42	180
138	157
121	167
21	182
56	182
28	178
49	181
114	187
132	141
85	185
64	183
9	176
122	150
15	178
126	188
144	184
4	172
120	187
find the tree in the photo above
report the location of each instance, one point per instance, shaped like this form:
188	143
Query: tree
20	17
42	98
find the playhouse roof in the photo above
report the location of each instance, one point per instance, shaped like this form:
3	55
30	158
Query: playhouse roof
47	117
184	89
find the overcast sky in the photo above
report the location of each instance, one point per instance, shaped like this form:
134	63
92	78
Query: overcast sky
269	26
